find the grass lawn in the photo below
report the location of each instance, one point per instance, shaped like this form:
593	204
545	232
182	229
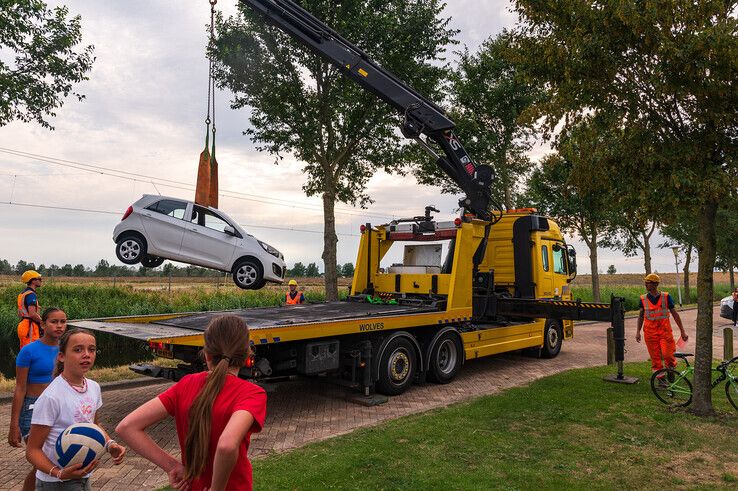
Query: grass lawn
570	430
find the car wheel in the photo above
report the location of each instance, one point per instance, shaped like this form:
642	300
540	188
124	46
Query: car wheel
149	261
130	249
248	275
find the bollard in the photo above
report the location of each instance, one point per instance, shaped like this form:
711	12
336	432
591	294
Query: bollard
610	346
728	343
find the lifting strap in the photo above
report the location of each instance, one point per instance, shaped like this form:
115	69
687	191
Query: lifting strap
206	191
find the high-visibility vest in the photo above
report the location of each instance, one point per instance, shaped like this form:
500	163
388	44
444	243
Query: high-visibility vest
25	315
656	315
292	301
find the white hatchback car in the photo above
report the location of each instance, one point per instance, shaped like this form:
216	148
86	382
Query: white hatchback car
156	228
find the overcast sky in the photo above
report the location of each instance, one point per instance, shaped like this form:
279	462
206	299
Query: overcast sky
143	114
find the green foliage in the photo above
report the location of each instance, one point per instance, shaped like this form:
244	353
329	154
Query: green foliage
611	269
311	271
302	105
566	431
297	271
664	74
348	270
632	294
42	65
488	96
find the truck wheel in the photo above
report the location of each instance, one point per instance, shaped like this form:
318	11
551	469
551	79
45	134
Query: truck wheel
553	336
149	261
247	274
130	249
396	367
445	359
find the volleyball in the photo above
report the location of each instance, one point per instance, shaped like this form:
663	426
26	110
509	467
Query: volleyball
80	443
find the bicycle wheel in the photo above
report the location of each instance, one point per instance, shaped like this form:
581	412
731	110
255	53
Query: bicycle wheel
731	391
671	387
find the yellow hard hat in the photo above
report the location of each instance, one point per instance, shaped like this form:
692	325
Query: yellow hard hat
292	282
30	275
653	278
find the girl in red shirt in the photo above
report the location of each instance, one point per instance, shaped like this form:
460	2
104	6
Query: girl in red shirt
215	413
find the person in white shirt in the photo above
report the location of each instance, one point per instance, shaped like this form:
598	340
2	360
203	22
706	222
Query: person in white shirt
70	398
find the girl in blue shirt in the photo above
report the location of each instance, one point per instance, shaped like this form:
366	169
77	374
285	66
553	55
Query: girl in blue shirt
34	368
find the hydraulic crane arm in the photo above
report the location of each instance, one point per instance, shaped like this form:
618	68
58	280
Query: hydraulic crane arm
421	116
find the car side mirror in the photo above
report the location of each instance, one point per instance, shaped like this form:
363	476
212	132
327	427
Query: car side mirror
230	230
572	254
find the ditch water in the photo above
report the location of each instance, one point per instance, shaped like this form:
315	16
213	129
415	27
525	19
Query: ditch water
113	351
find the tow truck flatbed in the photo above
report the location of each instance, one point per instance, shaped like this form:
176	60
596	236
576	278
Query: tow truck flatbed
266	324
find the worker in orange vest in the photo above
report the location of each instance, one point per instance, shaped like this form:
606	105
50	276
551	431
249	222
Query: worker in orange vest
293	297
654	320
29	327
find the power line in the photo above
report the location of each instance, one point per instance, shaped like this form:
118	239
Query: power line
96	169
86	210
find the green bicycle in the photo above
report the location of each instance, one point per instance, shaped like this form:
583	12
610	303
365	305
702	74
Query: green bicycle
673	387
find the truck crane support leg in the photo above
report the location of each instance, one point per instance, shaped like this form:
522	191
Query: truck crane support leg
367	398
618	327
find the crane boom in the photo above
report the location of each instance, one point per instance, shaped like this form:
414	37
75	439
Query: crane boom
421	116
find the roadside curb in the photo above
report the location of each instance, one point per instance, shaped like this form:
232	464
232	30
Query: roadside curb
107	386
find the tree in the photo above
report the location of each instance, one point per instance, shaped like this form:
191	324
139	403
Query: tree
5	267
348	270
611	269
726	244
312	271
666	72
301	104
44	64
488	97
635	230
298	270
102	268
566	188
682	231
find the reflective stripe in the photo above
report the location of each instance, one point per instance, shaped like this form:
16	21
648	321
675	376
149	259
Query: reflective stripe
23	311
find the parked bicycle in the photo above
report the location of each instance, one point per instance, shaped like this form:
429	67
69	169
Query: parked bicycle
673	387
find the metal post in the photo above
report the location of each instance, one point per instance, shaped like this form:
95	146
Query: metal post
170	281
676	263
610	346
727	343
617	311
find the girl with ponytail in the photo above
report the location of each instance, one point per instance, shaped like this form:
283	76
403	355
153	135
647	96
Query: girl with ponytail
215	413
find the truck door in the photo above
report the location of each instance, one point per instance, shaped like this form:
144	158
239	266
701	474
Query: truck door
545	281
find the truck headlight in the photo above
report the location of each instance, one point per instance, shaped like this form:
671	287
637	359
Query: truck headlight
271	250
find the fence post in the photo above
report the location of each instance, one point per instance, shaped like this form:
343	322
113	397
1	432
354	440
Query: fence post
727	343
113	281
170	281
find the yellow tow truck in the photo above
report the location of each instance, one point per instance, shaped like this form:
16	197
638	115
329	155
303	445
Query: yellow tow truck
504	284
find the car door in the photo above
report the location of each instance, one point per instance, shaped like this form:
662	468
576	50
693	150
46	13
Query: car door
164	223
205	241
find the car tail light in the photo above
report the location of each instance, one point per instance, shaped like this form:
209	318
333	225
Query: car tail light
127	213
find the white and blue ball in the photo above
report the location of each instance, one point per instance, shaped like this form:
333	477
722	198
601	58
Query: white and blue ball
80	443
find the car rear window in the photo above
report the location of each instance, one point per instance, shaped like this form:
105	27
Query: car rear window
169	207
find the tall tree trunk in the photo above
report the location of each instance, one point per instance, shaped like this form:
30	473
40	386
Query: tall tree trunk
702	402
687	260
593	266
330	243
646	252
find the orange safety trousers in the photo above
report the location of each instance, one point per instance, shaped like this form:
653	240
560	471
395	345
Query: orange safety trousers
657	332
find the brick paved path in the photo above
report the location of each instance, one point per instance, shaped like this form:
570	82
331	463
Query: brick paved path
303	411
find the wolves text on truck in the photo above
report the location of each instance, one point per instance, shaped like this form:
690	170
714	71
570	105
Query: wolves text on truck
503	286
